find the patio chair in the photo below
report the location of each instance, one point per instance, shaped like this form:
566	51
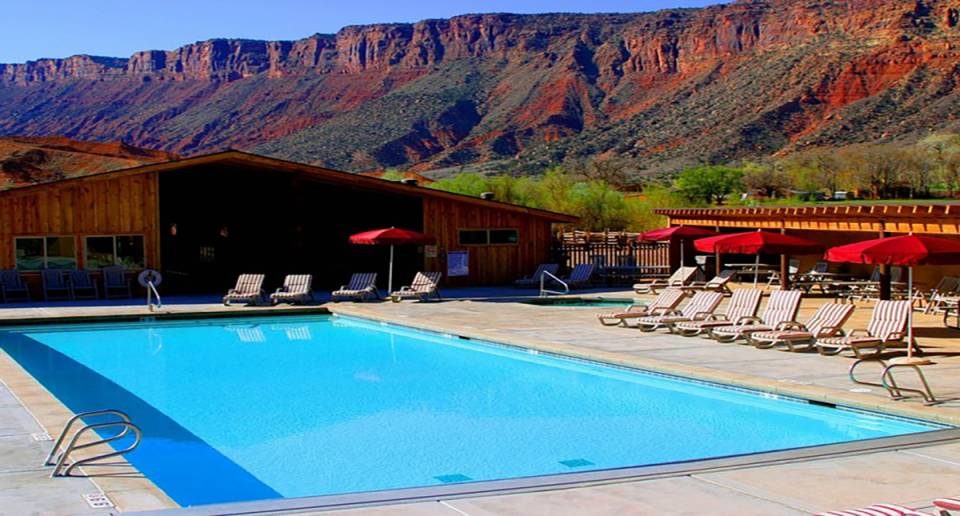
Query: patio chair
82	285
115	283
743	303
249	290
296	289
13	287
580	276
793	269
812	278
781	307
679	278
698	308
533	280
55	284
717	284
425	284
666	300
947	287
888	325
827	321
362	286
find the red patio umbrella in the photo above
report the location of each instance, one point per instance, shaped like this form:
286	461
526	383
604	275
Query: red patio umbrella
681	232
391	237
758	242
908	250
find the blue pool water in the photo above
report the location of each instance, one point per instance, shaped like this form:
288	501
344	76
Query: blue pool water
295	406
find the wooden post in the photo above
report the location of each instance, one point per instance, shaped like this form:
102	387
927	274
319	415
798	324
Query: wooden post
784	268
717	265
884	276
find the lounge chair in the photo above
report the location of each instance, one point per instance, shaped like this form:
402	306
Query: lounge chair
580	276
827	321
888	325
743	303
533	280
697	309
793	269
943	505
296	289
115	282
425	284
249	290
362	286
13	287
666	300
83	286
679	278
781	307
717	284
55	284
947	287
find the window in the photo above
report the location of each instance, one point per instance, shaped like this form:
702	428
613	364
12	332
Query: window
124	250
489	236
35	253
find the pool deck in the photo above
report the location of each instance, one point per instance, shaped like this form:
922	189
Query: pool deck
910	475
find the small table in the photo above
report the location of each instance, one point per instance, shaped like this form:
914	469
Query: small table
763	269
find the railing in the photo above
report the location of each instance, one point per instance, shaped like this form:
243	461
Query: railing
544	292
152	293
60	460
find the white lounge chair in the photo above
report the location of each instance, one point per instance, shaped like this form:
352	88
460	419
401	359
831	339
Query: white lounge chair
743	303
781	307
717	284
362	286
296	289
947	287
249	290
665	300
425	285
698	308
679	278
888	325
827	321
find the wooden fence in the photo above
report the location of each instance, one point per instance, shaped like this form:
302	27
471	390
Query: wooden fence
617	255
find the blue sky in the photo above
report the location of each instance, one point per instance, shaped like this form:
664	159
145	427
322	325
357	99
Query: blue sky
59	28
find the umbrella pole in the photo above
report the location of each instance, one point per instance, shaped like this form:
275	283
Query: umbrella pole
910	313
390	273
681	253
756	270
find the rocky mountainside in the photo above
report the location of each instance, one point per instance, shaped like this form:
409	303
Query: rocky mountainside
25	161
664	89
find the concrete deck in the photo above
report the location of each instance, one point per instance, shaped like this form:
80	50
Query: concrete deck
911	476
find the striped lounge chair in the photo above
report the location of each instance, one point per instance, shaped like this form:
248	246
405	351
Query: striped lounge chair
679	278
743	303
666	300
948	286
717	284
13	287
533	280
297	288
943	505
249	290
83	286
362	286
55	285
697	309
827	321
425	285
888	324
782	307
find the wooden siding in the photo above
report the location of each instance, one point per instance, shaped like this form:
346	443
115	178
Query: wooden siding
125	205
489	264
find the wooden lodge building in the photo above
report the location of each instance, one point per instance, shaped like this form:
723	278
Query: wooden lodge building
203	220
833	225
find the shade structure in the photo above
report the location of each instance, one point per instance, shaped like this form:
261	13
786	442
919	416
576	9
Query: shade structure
681	232
757	243
906	250
391	237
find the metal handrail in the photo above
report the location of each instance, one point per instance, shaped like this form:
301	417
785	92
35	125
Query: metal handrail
544	292
59	460
151	292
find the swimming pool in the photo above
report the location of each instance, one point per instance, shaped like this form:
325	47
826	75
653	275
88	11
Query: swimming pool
282	407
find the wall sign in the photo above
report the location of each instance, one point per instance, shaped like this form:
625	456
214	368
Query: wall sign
458	264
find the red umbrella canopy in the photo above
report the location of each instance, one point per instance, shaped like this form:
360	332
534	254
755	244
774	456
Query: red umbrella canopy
390	236
675	231
899	250
758	242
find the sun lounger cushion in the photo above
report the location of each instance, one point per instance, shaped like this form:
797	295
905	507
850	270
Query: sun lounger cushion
888	322
880	509
665	300
743	303
425	284
782	307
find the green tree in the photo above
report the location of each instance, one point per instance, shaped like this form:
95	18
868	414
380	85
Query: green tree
943	152
768	179
392	174
709	183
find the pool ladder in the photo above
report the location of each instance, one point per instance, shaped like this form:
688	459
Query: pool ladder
60	460
544	292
